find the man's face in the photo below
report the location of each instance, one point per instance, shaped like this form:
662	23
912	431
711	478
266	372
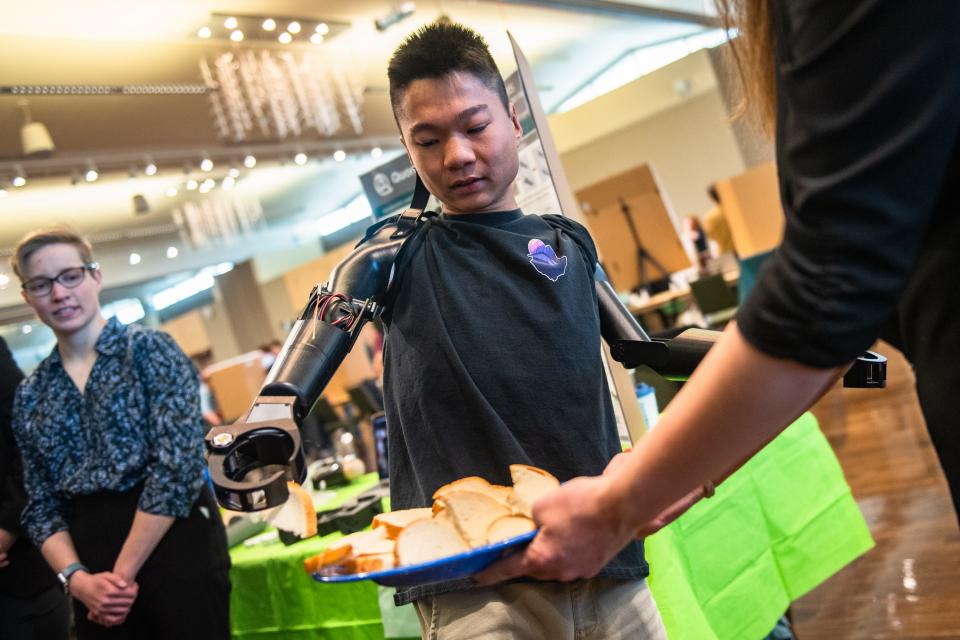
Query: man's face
462	141
64	309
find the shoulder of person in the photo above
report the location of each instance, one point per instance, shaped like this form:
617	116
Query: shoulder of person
576	231
153	344
376	226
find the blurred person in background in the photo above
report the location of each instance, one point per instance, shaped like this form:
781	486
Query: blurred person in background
32	603
111	434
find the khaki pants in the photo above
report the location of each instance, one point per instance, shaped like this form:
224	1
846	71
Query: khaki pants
584	610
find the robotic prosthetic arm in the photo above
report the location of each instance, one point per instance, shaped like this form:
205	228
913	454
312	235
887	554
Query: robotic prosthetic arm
251	460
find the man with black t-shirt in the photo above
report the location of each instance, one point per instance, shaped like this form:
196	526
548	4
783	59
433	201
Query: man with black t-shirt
492	350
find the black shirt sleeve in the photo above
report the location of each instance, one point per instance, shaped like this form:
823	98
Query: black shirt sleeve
578	233
12	496
867	127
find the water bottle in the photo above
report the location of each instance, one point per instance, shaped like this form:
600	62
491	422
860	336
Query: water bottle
647	398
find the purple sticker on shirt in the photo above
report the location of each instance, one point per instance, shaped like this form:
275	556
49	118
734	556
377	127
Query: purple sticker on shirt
544	259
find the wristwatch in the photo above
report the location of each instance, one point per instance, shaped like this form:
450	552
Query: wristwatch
68	571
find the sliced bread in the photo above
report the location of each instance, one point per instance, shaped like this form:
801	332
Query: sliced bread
429	539
472	513
529	484
297	515
394	521
508	527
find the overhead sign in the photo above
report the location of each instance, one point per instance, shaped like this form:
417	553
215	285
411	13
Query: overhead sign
389	187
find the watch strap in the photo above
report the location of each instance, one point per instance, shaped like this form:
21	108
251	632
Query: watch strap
68	571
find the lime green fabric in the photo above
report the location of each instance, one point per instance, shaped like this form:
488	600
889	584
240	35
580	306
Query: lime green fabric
273	598
777	528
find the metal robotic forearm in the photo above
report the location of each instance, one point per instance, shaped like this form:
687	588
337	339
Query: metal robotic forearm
251	460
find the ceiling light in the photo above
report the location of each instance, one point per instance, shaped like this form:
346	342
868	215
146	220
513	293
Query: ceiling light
269	24
172	252
206	164
323	28
171	192
236	36
4	280
204	32
300	158
19	176
135	258
376	152
249	161
294	27
26	329
230	23
339	155
316	38
151	168
227	183
34	137
209	183
92	174
191	185
233	172
285	38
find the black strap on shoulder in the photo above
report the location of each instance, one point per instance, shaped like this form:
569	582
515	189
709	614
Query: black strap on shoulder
410	219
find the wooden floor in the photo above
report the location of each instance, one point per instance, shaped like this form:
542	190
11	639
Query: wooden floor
909	585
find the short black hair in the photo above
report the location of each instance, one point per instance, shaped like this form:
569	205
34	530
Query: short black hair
437	50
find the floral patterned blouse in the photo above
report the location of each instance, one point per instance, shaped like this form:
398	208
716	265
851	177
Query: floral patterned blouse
137	421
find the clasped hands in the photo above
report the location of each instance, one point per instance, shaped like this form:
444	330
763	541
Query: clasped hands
107	595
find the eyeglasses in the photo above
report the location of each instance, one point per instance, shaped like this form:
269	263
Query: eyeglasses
70	278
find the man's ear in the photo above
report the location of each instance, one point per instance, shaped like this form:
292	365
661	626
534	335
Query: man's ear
517	129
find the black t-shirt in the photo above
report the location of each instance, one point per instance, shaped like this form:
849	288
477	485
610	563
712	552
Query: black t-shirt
492	357
868	151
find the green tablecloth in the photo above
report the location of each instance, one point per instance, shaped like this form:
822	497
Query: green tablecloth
272	596
777	528
726	570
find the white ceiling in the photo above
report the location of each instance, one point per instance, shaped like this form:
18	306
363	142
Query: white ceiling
122	42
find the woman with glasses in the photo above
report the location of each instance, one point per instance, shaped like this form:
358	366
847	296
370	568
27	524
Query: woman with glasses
110	431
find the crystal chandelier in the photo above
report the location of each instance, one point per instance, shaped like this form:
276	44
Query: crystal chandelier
280	94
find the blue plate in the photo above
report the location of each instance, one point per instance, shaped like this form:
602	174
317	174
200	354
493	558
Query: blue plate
462	565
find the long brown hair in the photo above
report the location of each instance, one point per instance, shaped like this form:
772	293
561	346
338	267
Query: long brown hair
753	55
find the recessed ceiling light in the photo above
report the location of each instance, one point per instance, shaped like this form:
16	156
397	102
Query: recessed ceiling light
172	252
339	155
135	258
171	191
150	169
227	183
300	158
316	38
236	36
269	24
233	172
376	152
206	164
230	23
294	27
92	174
204	32
249	161
26	329
192	185
323	28
285	38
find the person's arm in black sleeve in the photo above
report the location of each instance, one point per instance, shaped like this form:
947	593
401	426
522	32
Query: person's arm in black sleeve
875	120
870	118
12	496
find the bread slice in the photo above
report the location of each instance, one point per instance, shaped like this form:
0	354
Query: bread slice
297	515
529	484
329	556
428	539
508	527
366	564
470	483
351	547
394	522
500	493
472	513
